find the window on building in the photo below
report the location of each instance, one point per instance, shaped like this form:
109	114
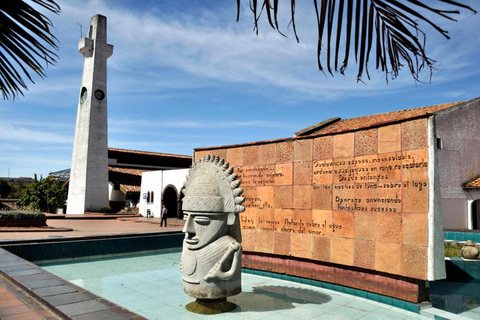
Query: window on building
439	143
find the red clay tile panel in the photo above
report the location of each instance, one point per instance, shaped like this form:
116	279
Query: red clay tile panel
323	171
200	154
321	248
235	157
256	176
303	150
389	167
322	197
221	153
281	243
344	145
364	254
304	217
387	257
284	152
389	198
283	197
344	197
321	219
343	171
415	197
415	229
301	245
342	224
414	261
248	240
264	242
415	134
267	153
266	220
366	142
250	156
284	174
323	148
302	197
365	225
302	173
415	165
342	251
388	227
265	197
389	139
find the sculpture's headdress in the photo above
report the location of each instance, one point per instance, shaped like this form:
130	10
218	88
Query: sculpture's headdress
213	188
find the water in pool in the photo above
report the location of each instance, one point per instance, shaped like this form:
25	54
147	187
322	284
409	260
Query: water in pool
151	286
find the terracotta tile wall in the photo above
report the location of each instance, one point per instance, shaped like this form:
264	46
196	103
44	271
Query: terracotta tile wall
356	199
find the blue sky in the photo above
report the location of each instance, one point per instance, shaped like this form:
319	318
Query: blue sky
184	74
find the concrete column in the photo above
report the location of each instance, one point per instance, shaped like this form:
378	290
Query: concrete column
88	186
469	214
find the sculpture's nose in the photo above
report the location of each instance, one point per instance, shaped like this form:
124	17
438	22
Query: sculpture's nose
189	228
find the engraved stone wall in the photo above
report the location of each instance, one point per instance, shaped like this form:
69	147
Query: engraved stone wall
358	199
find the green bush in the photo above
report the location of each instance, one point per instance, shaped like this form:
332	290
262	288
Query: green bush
21	215
46	195
106	209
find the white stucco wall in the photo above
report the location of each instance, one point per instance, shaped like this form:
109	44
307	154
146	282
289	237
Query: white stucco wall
157	181
115	195
436	254
459	159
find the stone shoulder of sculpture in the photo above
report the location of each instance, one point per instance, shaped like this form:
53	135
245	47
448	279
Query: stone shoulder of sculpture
212	253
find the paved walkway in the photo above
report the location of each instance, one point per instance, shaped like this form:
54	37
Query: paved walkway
89	225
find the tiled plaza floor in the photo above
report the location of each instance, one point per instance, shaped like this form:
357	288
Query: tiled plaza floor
151	286
261	296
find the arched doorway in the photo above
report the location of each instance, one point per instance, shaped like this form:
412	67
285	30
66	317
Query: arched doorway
169	199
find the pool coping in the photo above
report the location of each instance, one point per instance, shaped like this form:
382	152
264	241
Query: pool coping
65	299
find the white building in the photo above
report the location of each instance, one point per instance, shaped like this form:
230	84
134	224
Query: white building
162	187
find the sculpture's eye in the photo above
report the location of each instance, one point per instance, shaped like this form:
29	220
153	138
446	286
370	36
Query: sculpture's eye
202	220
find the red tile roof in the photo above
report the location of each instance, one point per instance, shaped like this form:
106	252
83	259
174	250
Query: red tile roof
150	153
381	119
126	179
135	172
472	184
129	189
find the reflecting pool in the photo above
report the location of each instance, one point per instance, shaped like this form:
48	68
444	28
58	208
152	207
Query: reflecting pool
151	286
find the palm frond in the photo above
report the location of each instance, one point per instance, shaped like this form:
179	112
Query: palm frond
391	29
26	40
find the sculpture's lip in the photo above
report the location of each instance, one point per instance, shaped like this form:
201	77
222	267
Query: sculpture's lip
191	241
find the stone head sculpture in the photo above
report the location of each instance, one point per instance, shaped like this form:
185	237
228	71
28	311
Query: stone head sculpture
212	253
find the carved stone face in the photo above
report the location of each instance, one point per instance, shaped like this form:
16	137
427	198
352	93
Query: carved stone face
203	228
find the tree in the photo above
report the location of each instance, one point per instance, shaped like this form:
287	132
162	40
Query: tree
25	43
391	28
46	195
5	188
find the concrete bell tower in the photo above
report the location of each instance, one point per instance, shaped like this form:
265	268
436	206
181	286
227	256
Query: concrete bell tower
88	186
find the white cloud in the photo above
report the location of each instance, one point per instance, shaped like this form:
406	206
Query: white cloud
9	132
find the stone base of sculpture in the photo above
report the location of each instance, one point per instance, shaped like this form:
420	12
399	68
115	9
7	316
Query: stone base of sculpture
211	306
